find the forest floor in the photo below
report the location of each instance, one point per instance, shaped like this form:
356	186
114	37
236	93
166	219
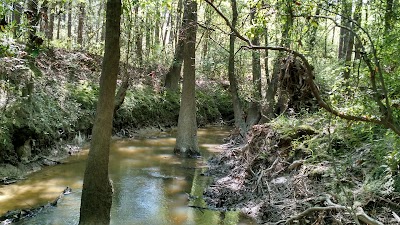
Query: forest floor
276	179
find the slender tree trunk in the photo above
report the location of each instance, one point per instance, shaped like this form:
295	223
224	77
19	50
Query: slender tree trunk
97	189
17	10
58	24
254	111
269	110
103	27
178	21
138	41
266	59
358	18
186	140
148	27
33	20
50	31
69	19
81	23
44	26
344	35
233	84
349	54
389	16
207	32
166	30
174	73
157	27
99	18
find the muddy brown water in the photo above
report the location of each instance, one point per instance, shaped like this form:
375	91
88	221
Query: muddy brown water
151	185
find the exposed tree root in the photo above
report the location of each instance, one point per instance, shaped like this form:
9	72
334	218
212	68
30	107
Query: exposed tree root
273	182
359	213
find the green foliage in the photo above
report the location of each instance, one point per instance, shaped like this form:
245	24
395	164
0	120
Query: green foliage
85	93
207	107
143	107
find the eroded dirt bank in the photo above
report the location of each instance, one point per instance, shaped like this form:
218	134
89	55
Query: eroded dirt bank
276	180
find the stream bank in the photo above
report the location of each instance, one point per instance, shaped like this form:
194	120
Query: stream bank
48	102
300	171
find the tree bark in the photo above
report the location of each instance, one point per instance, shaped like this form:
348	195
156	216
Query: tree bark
389	16
97	188
344	34
349	52
207	32
138	37
233	84
266	59
254	113
58	23
186	140
270	109
69	20
174	73
17	10
157	28
33	20
50	31
44	25
148	27
81	23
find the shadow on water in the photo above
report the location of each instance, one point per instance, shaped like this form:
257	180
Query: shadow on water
151	185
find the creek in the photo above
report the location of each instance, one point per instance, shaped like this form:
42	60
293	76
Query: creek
151	185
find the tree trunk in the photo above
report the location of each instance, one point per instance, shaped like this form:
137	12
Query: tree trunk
103	27
50	31
157	28
207	32
344	34
389	16
254	111
69	20
349	52
44	25
58	23
138	41
121	93
99	18
233	86
97	189
17	10
174	73
81	23
358	18
148	27
266	59
269	110
33	20
186	140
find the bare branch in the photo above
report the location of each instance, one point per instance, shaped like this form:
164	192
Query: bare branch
386	121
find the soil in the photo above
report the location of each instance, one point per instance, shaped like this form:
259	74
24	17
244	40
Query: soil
50	156
269	180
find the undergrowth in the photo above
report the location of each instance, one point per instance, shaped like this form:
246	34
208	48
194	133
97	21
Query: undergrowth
40	106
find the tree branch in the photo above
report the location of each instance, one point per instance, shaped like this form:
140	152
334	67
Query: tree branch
387	121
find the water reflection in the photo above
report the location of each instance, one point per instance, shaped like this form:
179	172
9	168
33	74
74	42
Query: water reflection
151	185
